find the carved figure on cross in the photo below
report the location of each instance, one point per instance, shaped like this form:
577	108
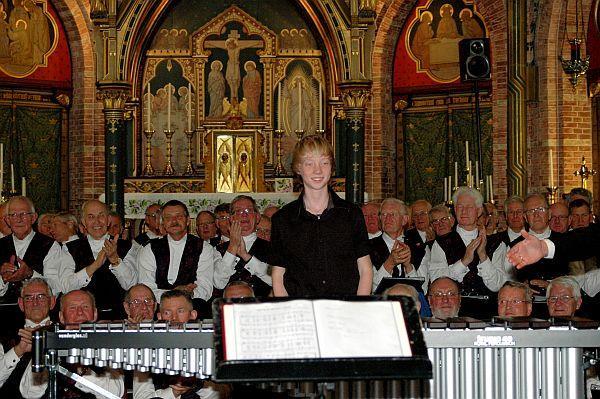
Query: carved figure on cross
233	45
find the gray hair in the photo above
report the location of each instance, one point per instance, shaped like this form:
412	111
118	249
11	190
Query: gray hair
67	217
470	191
16	198
242	197
515	199
127	296
403	208
441	208
521	286
412	292
36	280
89	294
538	196
566	281
88	202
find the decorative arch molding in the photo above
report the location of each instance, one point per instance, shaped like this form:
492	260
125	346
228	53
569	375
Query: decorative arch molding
146	16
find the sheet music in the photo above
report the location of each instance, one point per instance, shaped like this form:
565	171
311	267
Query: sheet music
361	329
283	330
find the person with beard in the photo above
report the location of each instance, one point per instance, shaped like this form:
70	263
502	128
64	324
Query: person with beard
244	255
444	298
179	260
101	264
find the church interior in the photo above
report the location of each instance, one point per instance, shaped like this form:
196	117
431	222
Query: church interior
136	102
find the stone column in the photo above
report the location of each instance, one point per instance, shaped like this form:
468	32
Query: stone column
113	96
355	94
517	96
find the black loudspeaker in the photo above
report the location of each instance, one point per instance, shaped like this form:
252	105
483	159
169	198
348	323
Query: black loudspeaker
474	56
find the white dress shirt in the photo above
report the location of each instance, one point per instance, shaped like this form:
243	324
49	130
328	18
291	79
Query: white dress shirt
9	360
204	274
143	388
512	235
378	275
376	234
124	270
52	263
494	272
225	268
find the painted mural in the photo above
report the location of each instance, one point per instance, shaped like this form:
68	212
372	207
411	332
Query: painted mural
427	53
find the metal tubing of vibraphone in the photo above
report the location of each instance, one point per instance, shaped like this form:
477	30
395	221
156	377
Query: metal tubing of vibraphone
528	373
377	389
38	355
394	390
450	383
207	361
508	388
435	368
467	372
549	368
308	388
359	389
487	385
341	390
572	373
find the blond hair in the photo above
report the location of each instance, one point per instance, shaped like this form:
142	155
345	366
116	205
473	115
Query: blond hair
313	144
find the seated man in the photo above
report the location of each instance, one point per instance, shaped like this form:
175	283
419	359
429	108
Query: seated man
559	217
139	304
245	255
238	289
35	302
179	260
563	297
152	224
370	212
515	219
581	217
76	307
175	307
206	227
514	300
103	265
64	227
223	224
404	290
444	298
26	253
44	224
422	232
116	226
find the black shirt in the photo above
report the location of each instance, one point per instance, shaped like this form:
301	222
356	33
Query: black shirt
319	253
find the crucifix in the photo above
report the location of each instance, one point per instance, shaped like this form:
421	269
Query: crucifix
233	45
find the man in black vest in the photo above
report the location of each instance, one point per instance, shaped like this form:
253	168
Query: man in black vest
462	254
152	224
391	251
206	227
244	256
26	253
76	307
103	265
179	260
35	302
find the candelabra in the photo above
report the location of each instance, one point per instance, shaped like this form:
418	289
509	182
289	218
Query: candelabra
169	171
320	132
279	169
189	170
299	134
148	169
584	172
551	194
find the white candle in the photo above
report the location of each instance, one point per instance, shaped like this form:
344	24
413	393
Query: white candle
189	107
299	105
445	189
449	187
320	107
23	187
470	175
477	174
491	188
456	175
12	178
551	168
1	167
149	107
169	106
279	109
467	151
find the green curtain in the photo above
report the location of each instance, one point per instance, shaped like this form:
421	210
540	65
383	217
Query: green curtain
32	145
434	141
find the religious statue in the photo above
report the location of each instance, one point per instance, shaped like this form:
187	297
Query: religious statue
300	103
244	174
233	45
420	43
470	27
252	88
39	34
216	89
447	27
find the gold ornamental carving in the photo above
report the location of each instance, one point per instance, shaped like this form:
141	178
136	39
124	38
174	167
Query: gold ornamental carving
355	94
114	95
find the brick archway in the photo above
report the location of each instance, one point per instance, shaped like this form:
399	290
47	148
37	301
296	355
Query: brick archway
86	126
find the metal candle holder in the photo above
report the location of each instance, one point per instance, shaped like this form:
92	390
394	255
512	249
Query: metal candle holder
189	170
279	169
169	171
148	169
552	194
299	134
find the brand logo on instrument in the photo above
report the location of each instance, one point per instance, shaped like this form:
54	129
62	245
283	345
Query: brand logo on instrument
494	340
73	335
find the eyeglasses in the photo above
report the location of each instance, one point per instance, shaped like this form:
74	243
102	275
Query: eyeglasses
440	220
512	301
449	295
536	211
243	212
390	214
20	215
35	297
140	302
222	217
152	215
562	298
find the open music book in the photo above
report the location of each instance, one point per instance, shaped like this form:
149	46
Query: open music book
305	329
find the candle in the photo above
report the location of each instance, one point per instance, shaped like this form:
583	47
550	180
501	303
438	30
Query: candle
469	174
279	109
456	175
477	174
320	107
445	189
149	107
449	187
299	105
467	151
189	107
551	168
169	106
491	188
23	187
12	178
